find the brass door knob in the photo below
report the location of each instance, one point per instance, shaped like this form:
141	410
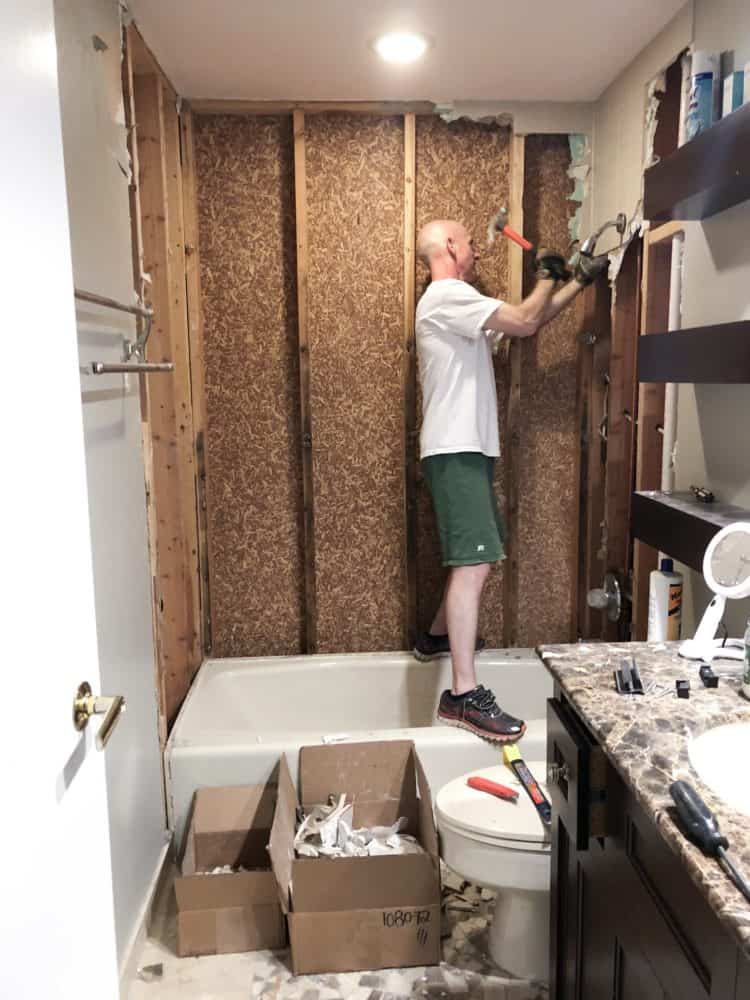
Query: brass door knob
85	705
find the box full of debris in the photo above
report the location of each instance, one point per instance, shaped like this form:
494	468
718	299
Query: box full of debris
227	900
355	855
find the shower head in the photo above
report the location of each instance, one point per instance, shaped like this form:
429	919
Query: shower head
589	244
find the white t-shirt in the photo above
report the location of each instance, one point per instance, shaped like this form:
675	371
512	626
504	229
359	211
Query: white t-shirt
459	401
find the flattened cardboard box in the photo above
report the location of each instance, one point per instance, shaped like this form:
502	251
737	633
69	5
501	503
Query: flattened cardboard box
353	914
236	911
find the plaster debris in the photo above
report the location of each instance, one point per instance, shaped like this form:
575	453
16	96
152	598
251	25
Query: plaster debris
336	737
327	831
151	973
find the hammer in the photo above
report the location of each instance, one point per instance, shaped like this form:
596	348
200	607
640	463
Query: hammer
499	224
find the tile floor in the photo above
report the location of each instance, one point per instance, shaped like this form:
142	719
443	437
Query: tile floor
466	973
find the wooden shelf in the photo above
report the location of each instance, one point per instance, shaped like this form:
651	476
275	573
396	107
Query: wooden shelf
679	525
707	175
717	354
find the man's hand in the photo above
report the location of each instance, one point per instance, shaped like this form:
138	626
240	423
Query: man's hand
589	268
550	264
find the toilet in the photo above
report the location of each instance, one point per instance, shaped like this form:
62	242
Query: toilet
505	847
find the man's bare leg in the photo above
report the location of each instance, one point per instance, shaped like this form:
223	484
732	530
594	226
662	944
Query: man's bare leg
462	596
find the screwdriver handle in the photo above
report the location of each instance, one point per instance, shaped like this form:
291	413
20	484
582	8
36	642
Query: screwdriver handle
698	820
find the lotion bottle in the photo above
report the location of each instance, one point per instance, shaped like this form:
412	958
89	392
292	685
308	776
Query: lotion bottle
664	603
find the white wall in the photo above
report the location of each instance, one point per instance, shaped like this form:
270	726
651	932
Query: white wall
712	447
96	163
618	122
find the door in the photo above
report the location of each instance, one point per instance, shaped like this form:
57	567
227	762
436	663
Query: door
57	920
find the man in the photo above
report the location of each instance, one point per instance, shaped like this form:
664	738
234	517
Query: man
459	443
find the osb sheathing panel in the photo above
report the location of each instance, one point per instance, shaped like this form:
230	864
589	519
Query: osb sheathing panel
463	173
548	513
245	186
355	191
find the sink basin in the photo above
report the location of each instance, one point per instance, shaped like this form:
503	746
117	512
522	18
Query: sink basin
721	757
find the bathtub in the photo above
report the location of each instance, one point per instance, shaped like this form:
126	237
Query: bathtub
241	714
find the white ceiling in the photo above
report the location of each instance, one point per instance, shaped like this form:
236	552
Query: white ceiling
537	50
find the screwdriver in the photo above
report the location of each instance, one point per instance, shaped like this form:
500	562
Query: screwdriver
701	826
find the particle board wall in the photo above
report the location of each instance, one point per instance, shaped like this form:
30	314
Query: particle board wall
355	212
548	508
463	172
245	191
355	199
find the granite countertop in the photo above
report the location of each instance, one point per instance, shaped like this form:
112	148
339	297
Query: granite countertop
646	739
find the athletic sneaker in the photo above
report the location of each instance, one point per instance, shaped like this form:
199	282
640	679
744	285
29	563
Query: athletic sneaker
478	712
428	646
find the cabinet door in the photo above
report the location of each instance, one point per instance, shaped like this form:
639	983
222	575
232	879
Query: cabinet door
634	978
582	941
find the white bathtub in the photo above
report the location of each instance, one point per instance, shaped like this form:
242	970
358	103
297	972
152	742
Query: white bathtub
241	714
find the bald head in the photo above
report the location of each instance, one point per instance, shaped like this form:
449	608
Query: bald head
446	247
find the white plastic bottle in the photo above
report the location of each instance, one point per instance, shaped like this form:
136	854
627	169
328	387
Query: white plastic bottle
664	603
746	663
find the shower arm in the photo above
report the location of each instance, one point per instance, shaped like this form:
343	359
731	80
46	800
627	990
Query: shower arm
620	224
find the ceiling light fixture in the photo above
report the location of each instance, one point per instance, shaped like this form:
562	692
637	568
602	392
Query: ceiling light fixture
401	47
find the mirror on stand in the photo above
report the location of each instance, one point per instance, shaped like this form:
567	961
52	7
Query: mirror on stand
726	568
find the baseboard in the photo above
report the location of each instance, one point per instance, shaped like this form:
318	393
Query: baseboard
129	964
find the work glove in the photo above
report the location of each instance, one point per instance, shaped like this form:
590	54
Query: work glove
588	268
550	264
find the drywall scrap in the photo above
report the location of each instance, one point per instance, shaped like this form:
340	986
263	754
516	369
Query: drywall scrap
526	117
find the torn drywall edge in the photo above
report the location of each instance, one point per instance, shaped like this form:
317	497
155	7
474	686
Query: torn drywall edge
579	172
656	87
526	117
636	227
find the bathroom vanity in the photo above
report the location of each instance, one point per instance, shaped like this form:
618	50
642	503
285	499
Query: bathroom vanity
638	913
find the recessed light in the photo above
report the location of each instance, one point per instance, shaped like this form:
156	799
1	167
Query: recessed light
401	47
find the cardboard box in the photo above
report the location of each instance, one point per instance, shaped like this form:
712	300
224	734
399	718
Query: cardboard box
353	914
236	911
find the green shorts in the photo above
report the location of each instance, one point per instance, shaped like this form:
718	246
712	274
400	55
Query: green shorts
471	528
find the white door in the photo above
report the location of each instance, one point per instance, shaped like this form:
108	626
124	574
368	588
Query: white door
56	918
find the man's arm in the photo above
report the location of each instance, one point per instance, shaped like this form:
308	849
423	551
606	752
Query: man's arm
519	321
525	319
561	299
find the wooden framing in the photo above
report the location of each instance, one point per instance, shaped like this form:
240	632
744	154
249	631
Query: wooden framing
205	106
300	200
623	397
166	401
593	383
657	261
513	406
195	336
410	376
133	44
180	386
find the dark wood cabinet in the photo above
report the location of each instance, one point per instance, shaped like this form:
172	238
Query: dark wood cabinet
627	921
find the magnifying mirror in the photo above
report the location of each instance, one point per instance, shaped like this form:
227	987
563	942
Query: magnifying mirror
726	569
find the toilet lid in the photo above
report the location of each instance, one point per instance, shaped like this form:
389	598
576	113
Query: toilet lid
473	812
